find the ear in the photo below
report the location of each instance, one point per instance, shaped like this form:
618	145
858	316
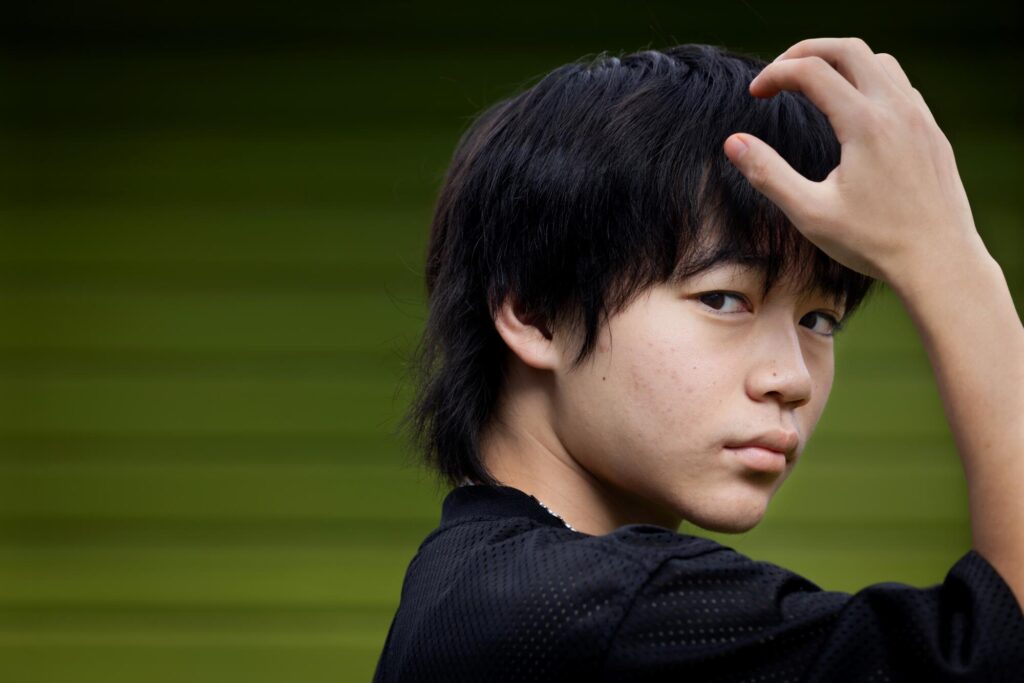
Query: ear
528	337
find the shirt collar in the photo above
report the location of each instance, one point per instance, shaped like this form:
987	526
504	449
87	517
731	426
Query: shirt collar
482	500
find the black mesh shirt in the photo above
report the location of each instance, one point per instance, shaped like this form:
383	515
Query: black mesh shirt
502	590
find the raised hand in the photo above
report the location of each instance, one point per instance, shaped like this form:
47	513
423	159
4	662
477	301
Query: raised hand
895	202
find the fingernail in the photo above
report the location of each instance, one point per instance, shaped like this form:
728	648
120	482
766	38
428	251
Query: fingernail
735	148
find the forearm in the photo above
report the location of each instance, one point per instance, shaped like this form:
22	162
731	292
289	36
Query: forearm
963	310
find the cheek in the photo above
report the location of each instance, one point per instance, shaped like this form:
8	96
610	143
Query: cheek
673	382
822	371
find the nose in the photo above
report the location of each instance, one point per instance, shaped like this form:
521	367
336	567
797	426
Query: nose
780	372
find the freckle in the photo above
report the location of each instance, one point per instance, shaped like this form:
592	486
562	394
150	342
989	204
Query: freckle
602	379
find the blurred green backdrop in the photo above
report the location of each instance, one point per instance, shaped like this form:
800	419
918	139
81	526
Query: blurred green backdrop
212	223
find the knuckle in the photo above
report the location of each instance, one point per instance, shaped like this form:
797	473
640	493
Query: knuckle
802	47
888	59
918	118
814	63
855	44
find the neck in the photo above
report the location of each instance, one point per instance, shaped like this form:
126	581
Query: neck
520	448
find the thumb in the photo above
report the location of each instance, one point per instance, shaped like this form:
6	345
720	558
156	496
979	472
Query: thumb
772	175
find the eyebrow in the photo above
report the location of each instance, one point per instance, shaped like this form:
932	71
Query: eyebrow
757	263
703	262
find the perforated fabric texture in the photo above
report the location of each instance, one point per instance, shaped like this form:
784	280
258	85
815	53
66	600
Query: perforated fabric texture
503	591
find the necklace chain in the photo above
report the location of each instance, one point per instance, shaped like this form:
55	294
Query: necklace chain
556	515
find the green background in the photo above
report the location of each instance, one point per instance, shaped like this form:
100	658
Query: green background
212	224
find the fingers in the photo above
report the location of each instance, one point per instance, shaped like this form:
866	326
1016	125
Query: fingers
851	57
772	175
834	95
843	77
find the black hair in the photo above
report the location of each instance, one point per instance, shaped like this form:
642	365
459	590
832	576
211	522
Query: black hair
575	195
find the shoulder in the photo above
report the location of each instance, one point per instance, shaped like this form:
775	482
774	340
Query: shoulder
522	594
527	553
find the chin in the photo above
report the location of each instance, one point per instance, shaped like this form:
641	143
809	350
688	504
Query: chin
730	517
729	526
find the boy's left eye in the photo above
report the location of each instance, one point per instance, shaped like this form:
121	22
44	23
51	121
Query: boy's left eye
830	327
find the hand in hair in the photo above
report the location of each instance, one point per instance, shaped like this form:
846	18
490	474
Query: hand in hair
894	208
896	200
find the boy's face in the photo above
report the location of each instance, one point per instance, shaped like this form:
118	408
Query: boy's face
686	374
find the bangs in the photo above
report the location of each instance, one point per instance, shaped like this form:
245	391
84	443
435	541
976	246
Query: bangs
736	226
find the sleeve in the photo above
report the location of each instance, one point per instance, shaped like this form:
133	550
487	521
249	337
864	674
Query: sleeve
725	617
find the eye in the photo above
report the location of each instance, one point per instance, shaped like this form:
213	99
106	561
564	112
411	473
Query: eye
828	329
720	301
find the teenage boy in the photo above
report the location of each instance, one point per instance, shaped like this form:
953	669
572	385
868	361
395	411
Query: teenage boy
635	270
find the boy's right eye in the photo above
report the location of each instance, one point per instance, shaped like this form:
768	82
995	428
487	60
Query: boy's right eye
724	302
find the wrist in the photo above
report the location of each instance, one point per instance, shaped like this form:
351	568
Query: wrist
942	267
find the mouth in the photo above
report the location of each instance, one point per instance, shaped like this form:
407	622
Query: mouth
768	452
760	459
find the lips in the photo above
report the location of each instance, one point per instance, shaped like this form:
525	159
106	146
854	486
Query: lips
779	441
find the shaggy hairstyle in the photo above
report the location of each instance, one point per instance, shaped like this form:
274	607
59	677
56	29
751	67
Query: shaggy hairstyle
577	194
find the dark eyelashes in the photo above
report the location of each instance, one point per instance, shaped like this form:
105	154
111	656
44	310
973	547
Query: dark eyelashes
723	292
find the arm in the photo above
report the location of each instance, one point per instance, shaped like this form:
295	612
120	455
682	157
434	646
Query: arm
895	209
721	616
975	343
